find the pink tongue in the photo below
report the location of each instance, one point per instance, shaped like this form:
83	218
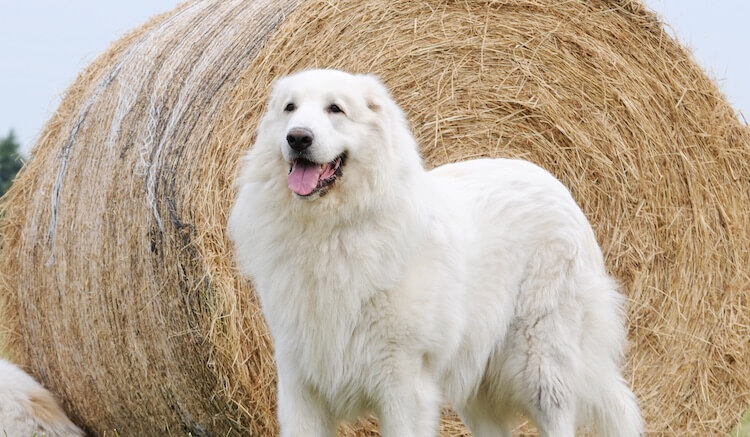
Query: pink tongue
304	177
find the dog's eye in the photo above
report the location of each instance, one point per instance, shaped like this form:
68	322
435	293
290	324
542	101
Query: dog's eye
334	109
289	107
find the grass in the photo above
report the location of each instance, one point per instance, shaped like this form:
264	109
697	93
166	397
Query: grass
743	428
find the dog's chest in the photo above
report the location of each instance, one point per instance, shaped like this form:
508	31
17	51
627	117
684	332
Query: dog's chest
321	301
342	358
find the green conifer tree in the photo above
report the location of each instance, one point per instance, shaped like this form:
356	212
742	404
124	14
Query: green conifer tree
10	161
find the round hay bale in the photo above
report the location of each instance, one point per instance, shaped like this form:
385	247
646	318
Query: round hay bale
120	289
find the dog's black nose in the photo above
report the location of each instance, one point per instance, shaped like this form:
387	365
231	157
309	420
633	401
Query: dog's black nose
299	138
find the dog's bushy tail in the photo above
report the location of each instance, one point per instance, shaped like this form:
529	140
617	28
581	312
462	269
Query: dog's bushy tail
617	413
608	404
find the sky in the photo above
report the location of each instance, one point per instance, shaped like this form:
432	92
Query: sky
45	43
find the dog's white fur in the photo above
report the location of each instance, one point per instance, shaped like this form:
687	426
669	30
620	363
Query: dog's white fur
27	409
480	282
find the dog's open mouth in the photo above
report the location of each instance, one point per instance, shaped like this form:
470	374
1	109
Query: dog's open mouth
307	178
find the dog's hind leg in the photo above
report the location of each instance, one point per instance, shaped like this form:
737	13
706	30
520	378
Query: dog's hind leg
544	352
543	385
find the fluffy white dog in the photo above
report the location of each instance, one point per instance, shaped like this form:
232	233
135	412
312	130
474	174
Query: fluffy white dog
27	409
388	288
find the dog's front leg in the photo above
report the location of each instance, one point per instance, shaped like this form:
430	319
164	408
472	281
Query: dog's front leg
301	413
410	407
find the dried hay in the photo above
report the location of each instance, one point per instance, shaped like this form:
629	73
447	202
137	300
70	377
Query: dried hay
121	292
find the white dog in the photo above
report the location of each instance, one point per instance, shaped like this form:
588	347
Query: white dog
388	289
27	409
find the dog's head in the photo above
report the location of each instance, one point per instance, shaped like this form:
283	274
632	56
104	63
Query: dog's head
334	131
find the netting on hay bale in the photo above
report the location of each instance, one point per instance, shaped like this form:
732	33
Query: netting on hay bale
119	286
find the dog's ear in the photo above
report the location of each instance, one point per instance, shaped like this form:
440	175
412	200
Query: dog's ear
376	93
273	96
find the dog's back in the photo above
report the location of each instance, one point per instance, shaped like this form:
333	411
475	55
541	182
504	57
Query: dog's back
28	409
